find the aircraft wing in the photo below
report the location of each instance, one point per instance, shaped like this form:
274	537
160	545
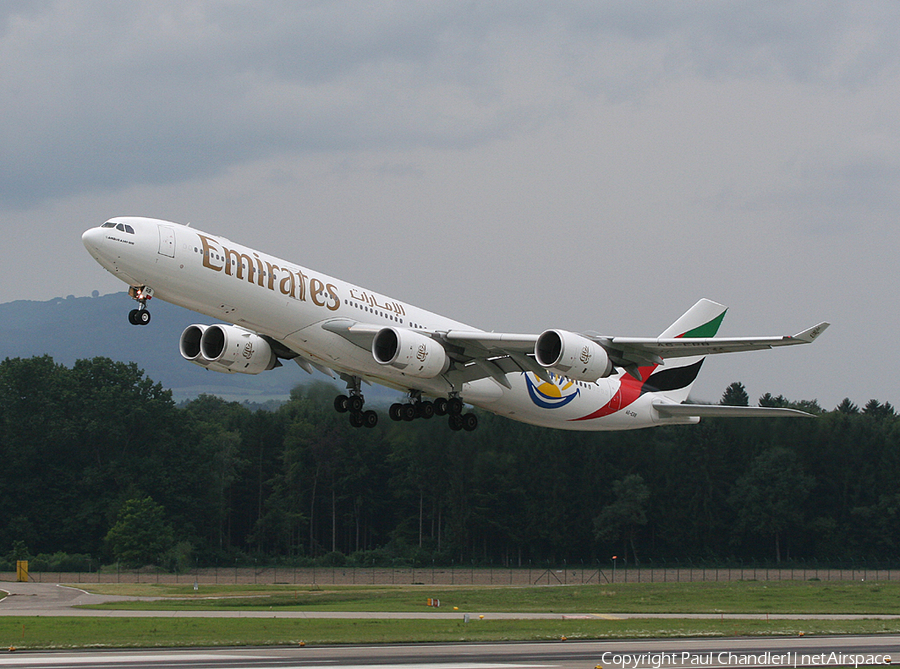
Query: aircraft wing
480	354
643	350
628	352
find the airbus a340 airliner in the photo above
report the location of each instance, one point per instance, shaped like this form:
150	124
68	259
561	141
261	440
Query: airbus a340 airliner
277	310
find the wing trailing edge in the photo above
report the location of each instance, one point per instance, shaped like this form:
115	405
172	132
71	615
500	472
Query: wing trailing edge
670	409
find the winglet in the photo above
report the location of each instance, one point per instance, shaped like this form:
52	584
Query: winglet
809	336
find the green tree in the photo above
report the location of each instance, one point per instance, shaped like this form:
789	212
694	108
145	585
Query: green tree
735	395
768	400
847	407
877	410
141	534
622	519
769	497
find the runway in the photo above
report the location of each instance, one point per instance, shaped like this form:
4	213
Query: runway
653	654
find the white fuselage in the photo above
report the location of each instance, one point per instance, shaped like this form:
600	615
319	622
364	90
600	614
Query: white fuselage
290	303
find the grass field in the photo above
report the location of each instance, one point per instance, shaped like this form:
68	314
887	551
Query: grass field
732	597
35	633
812	597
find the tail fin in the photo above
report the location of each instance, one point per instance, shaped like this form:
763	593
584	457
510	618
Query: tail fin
675	378
701	320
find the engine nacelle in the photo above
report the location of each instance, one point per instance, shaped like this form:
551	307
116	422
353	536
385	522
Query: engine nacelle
237	349
571	354
226	348
189	347
411	352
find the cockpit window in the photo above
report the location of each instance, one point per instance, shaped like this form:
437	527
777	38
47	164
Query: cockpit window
122	227
108	224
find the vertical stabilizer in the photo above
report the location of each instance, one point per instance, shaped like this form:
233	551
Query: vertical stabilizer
674	379
701	320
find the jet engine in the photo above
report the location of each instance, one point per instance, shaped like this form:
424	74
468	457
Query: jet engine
226	348
571	354
412	353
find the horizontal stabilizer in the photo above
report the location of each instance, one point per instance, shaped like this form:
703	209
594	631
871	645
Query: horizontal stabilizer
723	411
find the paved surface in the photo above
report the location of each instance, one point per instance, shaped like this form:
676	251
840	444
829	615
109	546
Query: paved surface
34	599
625	654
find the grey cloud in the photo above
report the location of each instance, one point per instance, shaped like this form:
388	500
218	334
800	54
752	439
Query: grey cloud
102	95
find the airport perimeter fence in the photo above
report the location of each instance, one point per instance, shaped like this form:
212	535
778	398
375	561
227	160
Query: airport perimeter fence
581	574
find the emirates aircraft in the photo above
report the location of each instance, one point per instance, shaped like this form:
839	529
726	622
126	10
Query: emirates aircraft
277	310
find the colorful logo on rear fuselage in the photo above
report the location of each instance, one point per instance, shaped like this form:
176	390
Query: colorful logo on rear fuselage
551	395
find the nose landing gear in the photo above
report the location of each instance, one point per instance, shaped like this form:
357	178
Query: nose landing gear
141	294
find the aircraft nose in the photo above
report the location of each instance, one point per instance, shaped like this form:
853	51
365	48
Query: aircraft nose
93	241
91	238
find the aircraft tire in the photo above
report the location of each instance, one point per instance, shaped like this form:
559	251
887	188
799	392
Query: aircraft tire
355	403
370	418
425	410
469	422
143	317
133	317
396	412
455	422
356	419
440	406
341	403
409	412
454	406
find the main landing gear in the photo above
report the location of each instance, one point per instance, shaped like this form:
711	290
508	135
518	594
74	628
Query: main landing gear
142	294
416	407
353	404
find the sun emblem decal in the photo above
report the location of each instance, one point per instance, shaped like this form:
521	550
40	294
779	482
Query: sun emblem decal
551	395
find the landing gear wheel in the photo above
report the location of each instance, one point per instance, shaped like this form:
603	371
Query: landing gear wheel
138	316
440	406
370	418
469	422
456	423
425	410
133	316
357	419
341	403
396	412
454	406
408	412
355	403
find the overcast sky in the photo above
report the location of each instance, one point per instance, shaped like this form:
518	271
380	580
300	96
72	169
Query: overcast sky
517	166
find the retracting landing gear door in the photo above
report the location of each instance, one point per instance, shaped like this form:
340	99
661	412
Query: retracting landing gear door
166	241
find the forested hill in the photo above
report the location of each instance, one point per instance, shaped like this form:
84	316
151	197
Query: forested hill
85	327
98	460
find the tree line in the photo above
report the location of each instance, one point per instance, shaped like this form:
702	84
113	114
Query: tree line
99	461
